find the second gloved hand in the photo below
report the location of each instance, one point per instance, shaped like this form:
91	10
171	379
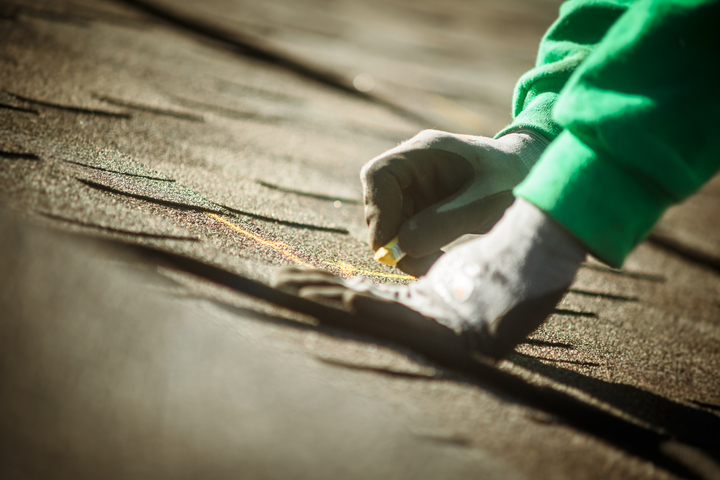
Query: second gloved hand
489	293
438	186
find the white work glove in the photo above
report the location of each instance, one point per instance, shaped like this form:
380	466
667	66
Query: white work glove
492	291
438	186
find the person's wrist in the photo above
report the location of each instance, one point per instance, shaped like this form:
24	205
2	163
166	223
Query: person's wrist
527	144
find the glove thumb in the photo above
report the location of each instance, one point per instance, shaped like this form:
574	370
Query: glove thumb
433	228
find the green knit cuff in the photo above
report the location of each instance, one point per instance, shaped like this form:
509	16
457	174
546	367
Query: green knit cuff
607	206
536	115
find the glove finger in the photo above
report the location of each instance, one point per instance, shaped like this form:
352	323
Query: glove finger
397	318
326	294
383	197
291	280
443	174
400	185
418	267
408	207
431	229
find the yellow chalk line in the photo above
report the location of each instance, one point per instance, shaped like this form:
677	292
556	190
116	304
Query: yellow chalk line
280	247
345	268
350	270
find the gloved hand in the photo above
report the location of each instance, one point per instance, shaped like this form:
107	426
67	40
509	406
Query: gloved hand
438	186
492	291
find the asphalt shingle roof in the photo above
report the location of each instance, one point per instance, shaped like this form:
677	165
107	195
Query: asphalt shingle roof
159	161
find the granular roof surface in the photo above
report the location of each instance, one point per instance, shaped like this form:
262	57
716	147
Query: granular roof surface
159	161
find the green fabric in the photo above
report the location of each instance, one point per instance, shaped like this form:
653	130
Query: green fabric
636	121
568	42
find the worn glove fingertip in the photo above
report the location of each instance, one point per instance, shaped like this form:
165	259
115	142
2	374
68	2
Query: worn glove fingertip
417	267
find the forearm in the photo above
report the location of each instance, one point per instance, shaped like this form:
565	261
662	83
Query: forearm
640	120
579	28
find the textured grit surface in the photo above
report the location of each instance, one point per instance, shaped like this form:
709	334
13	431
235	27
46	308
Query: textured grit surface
160	160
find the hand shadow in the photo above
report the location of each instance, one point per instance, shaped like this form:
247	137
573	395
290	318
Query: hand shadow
680	439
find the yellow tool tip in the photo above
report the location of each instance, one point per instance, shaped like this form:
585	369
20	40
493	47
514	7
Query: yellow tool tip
390	254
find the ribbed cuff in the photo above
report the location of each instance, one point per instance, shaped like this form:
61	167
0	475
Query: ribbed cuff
529	145
537	115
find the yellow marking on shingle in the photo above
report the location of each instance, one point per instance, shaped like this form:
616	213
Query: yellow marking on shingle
279	247
345	268
351	270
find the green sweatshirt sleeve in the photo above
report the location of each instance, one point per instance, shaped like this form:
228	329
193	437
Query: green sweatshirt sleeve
579	27
638	127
